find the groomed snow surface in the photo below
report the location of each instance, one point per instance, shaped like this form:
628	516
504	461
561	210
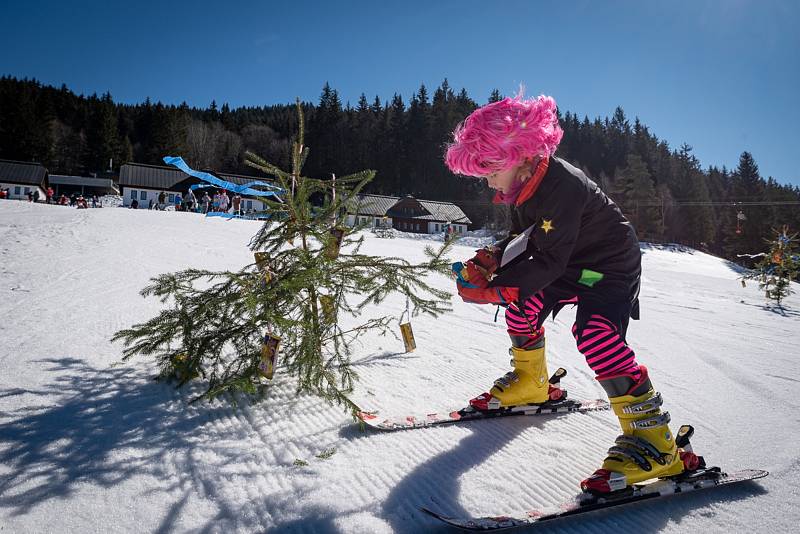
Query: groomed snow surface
90	446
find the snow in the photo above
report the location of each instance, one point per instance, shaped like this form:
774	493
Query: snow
89	445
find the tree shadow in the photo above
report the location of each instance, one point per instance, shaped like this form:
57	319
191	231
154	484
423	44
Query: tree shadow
101	427
52	448
384	358
780	310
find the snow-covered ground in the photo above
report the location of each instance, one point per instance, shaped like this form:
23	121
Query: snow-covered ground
89	446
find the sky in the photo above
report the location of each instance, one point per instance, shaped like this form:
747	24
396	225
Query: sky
720	75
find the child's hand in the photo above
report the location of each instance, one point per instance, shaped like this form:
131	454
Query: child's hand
487	260
473	286
501	296
470	275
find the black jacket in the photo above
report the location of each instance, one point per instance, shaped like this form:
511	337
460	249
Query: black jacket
578	238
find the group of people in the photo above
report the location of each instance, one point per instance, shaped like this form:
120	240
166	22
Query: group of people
218	202
74	200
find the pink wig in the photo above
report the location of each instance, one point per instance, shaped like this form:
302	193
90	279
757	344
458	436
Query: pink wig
502	135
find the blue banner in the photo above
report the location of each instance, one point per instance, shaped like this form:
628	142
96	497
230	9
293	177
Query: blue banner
246	189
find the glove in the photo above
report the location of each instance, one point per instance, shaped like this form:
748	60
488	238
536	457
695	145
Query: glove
486	259
470	275
473	286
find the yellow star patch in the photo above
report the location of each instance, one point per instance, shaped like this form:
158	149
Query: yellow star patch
547	225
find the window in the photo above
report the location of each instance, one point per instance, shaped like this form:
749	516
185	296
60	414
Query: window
133	194
437	226
17	190
27	190
249	204
363	220
171	198
144	195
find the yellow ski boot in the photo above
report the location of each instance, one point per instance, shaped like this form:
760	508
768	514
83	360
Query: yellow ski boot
528	383
646	449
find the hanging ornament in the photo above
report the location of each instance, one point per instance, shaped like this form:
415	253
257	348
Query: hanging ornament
262	264
269	352
180	363
328	308
334	242
406	331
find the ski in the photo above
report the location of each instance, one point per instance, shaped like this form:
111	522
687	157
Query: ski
469	413
377	422
584	503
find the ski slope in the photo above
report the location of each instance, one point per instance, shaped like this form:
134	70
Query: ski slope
90	446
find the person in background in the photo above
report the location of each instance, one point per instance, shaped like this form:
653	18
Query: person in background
178	202
215	201
237	204
36	195
94	201
135	204
190	200
162	197
224	202
49	194
206	202
150	205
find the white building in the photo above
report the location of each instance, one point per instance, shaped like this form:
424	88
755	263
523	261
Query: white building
407	214
144	183
21	178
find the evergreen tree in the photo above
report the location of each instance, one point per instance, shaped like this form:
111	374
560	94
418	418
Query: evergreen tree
221	324
752	222
102	137
779	267
419	144
693	222
635	193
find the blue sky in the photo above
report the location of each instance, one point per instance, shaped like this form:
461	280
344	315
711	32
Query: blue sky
723	76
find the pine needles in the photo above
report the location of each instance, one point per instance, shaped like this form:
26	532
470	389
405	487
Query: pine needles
214	323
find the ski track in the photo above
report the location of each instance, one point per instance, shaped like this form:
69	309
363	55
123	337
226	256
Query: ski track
87	447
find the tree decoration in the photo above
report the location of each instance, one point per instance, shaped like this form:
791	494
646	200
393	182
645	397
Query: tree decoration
310	298
777	268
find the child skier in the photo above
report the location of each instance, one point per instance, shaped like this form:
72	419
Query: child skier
568	244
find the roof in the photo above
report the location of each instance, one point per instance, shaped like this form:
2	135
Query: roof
379	205
22	172
157	177
444	211
102	183
376	205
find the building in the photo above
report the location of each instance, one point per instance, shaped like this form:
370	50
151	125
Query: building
21	178
82	185
407	214
144	183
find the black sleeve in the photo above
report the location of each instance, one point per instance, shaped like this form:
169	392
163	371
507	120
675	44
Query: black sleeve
557	224
512	233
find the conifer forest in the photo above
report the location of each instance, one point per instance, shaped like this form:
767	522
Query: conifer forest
662	189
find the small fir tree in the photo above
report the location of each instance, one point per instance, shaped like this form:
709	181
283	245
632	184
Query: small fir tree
219	322
777	268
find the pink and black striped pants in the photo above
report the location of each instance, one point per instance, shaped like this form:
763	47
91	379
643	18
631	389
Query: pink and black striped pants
599	330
